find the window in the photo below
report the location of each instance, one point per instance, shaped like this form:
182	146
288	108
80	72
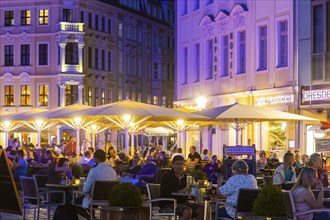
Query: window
25	17
262	48
185	66
96	96
120	28
25	55
225	56
71	94
9	95
283	43
89	57
155	100
184	7
155	70
82	17
89	96
208	2
9	18
43	16
102	97
196	5
43	54
196	63
103	24
96	22
67	15
89	20
25	95
241	61
96	64
9	55
109	95
43	95
321	41
209	61
109	26
71	53
103	60
110	61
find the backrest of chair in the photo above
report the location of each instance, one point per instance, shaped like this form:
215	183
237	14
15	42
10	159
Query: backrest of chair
101	189
121	168
29	187
290	208
245	200
153	191
41	180
287	186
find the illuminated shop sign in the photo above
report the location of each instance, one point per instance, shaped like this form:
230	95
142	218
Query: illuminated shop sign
274	100
315	95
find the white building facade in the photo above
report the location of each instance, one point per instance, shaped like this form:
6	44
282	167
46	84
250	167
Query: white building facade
237	50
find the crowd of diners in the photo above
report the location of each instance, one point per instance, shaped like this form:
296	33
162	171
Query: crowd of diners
305	171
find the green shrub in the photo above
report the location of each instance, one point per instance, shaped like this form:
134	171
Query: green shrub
125	195
198	174
269	202
77	170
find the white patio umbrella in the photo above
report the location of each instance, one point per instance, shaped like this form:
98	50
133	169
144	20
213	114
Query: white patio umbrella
127	113
7	126
240	115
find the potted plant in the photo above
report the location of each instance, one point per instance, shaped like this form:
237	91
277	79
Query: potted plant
269	203
198	175
125	202
77	170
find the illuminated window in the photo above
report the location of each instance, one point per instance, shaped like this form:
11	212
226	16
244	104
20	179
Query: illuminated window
155	100
89	96
25	95
43	16
43	95
71	94
102	97
9	95
25	17
9	18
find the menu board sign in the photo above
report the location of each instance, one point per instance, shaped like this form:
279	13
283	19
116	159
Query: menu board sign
322	144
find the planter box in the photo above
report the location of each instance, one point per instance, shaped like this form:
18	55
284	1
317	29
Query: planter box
124	213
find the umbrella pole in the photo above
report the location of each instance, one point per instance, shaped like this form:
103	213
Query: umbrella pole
39	139
132	144
6	139
126	140
237	131
77	141
179	139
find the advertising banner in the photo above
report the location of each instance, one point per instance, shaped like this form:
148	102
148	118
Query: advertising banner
315	95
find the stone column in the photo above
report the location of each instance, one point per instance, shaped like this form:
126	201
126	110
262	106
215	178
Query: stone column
62	55
62	94
80	58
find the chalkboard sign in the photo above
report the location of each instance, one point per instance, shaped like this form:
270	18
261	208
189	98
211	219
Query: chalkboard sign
9	197
322	144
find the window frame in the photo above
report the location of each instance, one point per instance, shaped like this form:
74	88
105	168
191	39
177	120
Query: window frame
9	21
43	17
43	95
239	61
10	56
38	54
25	99
27	56
258	26
25	17
10	95
278	21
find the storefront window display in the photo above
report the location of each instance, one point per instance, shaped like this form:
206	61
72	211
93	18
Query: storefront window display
277	137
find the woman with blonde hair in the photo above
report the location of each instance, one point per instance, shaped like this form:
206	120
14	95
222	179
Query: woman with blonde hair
304	198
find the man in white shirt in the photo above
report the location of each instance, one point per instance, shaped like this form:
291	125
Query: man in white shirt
101	172
285	172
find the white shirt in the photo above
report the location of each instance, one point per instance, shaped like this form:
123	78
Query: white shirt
101	172
279	177
231	188
176	154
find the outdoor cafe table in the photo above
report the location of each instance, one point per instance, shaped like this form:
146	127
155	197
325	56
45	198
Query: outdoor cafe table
67	188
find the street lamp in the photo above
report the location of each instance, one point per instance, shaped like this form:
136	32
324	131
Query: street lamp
201	102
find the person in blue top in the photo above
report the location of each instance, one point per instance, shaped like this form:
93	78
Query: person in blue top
19	165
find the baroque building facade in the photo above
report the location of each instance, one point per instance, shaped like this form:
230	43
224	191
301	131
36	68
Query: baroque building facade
238	51
60	52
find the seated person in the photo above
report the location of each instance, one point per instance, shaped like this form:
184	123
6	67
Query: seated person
148	172
205	155
315	161
114	158
37	156
240	179
48	159
211	169
175	180
85	159
129	175
285	172
304	198
29	158
262	161
62	169
19	165
101	172
178	152
193	156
